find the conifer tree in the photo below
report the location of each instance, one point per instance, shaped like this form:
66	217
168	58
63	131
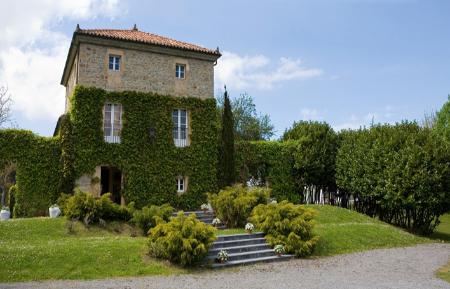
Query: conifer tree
226	146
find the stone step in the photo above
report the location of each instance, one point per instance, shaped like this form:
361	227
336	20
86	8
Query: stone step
240	237
247	255
239	249
267	259
235	243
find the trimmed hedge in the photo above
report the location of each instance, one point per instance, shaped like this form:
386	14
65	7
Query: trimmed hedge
149	166
38	170
273	162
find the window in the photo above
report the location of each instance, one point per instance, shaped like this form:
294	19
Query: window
181	185
112	122
180	71
114	62
180	127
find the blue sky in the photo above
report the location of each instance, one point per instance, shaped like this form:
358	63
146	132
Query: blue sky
346	62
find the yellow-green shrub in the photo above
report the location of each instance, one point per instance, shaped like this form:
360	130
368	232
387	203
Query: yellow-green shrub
233	205
147	217
288	225
184	240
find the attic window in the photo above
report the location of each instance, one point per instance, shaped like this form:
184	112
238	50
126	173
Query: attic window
180	71
114	62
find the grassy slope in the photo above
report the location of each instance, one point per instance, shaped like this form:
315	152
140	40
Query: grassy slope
443	233
343	231
41	248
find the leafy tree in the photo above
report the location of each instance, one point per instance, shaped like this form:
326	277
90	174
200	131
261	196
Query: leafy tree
5	105
248	124
315	154
226	168
443	120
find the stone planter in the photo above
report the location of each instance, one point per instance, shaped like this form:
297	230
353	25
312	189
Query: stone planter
54	212
4	215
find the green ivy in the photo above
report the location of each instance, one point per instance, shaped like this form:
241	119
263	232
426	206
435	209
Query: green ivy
150	165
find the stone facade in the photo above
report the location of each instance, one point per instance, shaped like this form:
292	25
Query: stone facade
143	71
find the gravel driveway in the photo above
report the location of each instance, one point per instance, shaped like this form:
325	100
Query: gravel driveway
411	267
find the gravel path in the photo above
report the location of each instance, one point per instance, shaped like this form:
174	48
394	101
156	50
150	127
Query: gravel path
411	267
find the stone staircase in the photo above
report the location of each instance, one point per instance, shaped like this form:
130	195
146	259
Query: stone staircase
203	216
243	249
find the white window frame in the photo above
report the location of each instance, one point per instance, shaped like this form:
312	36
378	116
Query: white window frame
181	184
114	107
180	73
116	62
178	140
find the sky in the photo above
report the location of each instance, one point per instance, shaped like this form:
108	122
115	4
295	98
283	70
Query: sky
346	62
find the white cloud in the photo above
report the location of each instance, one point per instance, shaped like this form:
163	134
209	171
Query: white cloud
310	114
240	72
33	51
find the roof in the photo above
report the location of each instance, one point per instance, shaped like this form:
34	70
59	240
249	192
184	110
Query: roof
135	35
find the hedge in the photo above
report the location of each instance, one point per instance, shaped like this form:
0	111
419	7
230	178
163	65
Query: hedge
38	170
273	162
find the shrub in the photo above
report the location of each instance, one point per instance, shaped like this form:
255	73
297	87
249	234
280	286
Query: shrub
184	240
233	205
147	217
85	207
288	225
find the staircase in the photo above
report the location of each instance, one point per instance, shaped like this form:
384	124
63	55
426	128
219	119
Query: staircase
203	216
243	249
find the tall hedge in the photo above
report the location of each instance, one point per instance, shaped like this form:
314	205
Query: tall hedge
399	173
38	170
149	164
226	175
273	163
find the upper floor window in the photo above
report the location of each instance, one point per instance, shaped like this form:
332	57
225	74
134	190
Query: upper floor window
180	71
181	184
114	62
112	122
180	127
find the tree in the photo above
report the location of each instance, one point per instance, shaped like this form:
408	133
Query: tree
5	105
226	170
443	120
248	124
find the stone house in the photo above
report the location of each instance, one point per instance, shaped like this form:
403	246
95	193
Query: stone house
132	60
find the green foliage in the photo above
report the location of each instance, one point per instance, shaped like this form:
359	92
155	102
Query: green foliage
400	173
226	176
248	124
12	198
184	240
84	207
288	225
233	205
315	154
149	165
272	162
146	217
67	154
443	121
38	169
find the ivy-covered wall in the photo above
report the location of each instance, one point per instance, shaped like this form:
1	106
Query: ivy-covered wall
149	165
273	162
38	169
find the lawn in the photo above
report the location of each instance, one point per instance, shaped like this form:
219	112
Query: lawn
443	233
43	248
344	231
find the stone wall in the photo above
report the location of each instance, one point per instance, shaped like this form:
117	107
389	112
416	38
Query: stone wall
144	71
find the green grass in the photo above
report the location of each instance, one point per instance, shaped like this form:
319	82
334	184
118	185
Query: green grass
344	231
443	233
42	248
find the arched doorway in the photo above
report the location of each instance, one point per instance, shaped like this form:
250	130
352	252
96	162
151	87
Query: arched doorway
111	182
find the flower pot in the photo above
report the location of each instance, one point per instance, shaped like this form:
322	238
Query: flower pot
249	231
4	215
279	254
54	212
